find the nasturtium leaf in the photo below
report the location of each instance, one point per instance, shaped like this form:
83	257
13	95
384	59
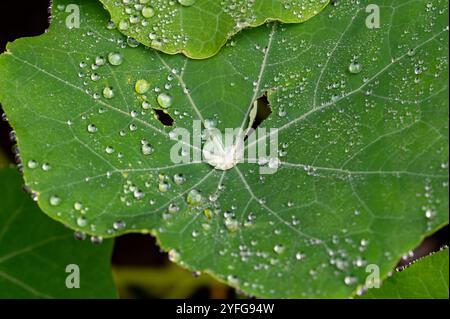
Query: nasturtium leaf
38	256
362	156
200	28
426	278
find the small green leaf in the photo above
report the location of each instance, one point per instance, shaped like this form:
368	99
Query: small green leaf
199	28
362	119
35	252
426	278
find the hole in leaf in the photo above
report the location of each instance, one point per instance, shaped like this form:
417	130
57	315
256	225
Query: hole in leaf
164	117
263	111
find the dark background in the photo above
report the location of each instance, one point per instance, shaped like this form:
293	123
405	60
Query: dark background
30	18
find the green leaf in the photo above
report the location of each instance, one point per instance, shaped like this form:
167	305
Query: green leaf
200	29
426	278
364	172
35	251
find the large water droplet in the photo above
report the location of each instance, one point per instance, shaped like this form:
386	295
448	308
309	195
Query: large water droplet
355	68
108	92
146	148
148	12
92	128
115	58
141	86
165	100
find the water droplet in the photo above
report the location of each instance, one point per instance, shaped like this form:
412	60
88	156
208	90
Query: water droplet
92	128
173	208
81	221
141	86
99	60
32	164
95	77
120	224
108	92
55	200
430	214
148	12
179	179
78	235
231	224
355	68
279	249
195	234
165	100
109	150
163	187
209	124
123	25
146	148
348	280
233	280
274	163
132	42
174	256
115	58
299	256
96	240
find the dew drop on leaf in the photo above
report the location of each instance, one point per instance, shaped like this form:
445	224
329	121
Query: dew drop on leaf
231	224
108	92
55	200
148	12
165	100
194	198
179	179
174	256
115	58
32	164
233	280
120	224
146	148
96	240
92	128
279	249
163	187
142	86
355	68
81	221
46	167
